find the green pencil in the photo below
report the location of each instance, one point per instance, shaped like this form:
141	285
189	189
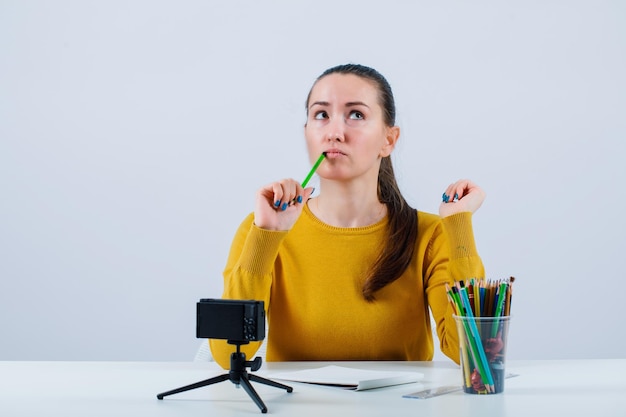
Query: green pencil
498	313
317	164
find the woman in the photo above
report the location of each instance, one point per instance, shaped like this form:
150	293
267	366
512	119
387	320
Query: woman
351	274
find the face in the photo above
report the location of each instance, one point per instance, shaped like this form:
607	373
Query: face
346	121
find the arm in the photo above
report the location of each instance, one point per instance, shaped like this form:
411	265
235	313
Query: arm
248	276
454	258
250	265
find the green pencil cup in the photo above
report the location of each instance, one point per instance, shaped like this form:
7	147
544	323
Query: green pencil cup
482	343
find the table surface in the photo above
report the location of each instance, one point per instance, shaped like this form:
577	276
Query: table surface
542	388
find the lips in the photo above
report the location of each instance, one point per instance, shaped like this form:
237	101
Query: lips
333	153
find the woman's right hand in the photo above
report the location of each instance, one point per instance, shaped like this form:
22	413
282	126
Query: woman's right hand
279	204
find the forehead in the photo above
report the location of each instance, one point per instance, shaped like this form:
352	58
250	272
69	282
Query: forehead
342	88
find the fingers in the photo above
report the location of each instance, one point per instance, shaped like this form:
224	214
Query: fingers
461	196
456	191
284	193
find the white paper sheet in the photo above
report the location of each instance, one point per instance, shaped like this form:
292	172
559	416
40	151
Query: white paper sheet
349	378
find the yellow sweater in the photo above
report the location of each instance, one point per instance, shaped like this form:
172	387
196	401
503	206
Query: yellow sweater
310	279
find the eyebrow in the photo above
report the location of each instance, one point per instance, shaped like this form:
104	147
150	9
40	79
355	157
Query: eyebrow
348	104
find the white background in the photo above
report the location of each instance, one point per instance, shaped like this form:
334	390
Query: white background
133	135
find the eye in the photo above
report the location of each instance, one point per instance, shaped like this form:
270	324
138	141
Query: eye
320	115
356	115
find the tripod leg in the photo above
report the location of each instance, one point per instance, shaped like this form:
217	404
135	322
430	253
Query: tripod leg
247	386
194	386
269	382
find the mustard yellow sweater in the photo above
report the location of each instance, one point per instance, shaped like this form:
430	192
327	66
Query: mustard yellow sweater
310	279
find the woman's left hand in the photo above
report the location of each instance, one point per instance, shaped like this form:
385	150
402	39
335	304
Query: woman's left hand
461	196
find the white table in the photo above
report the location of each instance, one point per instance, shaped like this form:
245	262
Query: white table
594	388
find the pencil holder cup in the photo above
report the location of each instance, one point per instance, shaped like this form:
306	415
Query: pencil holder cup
482	343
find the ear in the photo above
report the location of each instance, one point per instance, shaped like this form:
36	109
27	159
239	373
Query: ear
391	138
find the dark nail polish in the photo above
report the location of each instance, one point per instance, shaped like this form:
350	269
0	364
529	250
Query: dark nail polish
299	199
277	203
284	207
456	196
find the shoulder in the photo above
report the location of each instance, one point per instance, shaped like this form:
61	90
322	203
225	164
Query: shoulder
433	224
427	220
430	228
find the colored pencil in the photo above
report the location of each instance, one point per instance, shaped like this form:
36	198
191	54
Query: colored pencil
312	171
483	363
477	299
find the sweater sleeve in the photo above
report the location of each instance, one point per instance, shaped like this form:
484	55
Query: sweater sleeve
452	256
248	276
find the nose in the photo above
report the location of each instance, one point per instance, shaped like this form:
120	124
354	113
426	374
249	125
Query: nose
335	132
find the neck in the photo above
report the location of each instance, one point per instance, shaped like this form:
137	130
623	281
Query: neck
347	205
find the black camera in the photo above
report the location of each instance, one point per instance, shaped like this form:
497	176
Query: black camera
239	322
233	320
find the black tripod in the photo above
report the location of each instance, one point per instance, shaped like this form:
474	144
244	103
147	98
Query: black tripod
238	375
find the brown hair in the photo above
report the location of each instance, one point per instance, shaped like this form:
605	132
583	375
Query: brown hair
397	252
